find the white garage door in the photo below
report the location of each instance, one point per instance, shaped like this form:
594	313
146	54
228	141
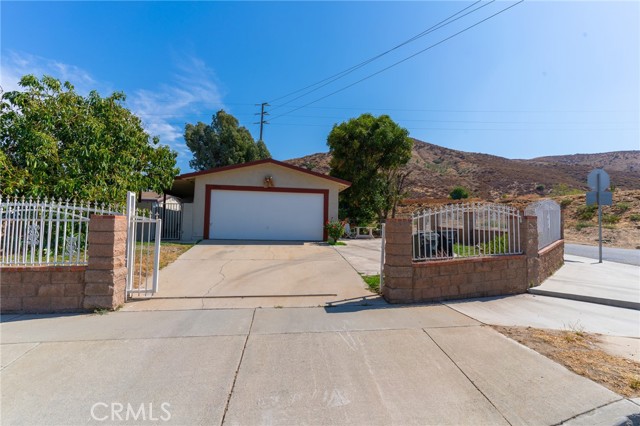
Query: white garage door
257	215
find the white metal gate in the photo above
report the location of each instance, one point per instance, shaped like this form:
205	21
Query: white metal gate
143	249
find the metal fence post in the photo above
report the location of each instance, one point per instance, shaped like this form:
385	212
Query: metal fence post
156	257
382	238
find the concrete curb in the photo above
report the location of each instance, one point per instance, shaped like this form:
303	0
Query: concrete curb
590	299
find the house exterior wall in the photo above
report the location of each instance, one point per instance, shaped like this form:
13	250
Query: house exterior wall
252	176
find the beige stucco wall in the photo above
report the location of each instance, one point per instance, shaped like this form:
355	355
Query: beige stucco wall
283	177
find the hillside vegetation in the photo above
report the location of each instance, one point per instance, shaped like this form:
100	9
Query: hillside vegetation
435	170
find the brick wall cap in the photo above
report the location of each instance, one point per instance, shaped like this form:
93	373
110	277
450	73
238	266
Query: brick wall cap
434	263
107	217
40	268
550	247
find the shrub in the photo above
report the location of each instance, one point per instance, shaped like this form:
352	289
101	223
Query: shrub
459	193
634	217
335	229
622	207
540	187
498	245
586	212
564	189
581	225
565	203
610	218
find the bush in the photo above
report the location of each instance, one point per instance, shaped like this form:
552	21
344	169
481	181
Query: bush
564	189
622	207
565	203
581	225
335	230
458	193
610	219
498	245
586	212
540	187
634	217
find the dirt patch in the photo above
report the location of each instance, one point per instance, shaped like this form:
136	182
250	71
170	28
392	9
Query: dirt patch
579	352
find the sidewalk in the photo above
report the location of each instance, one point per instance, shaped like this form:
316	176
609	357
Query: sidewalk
346	365
586	280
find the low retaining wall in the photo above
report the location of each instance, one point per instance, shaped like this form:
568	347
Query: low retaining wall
550	259
406	281
51	289
42	289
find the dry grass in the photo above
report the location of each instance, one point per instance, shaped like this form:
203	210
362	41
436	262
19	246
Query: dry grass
578	351
169	252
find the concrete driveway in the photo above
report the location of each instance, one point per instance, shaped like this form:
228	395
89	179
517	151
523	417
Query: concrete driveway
233	274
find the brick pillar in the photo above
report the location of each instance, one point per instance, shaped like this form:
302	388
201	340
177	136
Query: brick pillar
398	269
106	272
529	244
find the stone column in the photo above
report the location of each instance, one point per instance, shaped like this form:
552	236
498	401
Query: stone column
105	278
398	269
529	245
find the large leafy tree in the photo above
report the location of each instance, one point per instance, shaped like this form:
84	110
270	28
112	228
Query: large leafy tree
222	143
55	142
369	151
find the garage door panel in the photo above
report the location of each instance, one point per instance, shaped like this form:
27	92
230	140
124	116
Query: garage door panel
261	215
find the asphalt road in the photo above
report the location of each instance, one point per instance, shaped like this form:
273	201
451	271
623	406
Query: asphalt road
628	256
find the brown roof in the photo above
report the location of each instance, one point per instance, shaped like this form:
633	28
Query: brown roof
266	161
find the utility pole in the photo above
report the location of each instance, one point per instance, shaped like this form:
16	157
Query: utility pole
262	113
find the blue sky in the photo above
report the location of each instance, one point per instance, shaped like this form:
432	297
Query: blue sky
542	78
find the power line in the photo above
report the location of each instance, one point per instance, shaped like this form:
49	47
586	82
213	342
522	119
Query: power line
529	129
401	61
348	71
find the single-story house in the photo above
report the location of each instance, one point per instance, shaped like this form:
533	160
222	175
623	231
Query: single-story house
259	200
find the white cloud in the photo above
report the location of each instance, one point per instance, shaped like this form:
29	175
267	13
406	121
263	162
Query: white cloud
14	65
193	89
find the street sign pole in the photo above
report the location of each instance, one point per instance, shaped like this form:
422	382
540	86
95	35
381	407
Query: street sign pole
599	222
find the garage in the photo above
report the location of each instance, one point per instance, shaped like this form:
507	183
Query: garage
266	215
265	200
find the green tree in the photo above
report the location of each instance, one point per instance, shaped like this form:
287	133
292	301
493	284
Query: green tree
368	151
222	143
458	193
57	143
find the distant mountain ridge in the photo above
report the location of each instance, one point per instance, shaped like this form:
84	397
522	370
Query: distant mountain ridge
435	170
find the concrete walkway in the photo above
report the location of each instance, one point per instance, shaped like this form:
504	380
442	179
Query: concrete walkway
232	274
583	279
362	254
318	366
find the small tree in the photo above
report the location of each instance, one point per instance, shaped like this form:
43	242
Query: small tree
458	193
222	143
368	151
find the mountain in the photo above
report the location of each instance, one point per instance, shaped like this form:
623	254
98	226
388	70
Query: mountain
435	170
621	161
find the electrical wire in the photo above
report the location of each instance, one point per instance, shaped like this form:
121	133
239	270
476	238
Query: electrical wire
348	71
399	62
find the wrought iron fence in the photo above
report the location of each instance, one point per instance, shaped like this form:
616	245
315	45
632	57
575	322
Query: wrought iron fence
466	230
549	221
46	232
170	211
